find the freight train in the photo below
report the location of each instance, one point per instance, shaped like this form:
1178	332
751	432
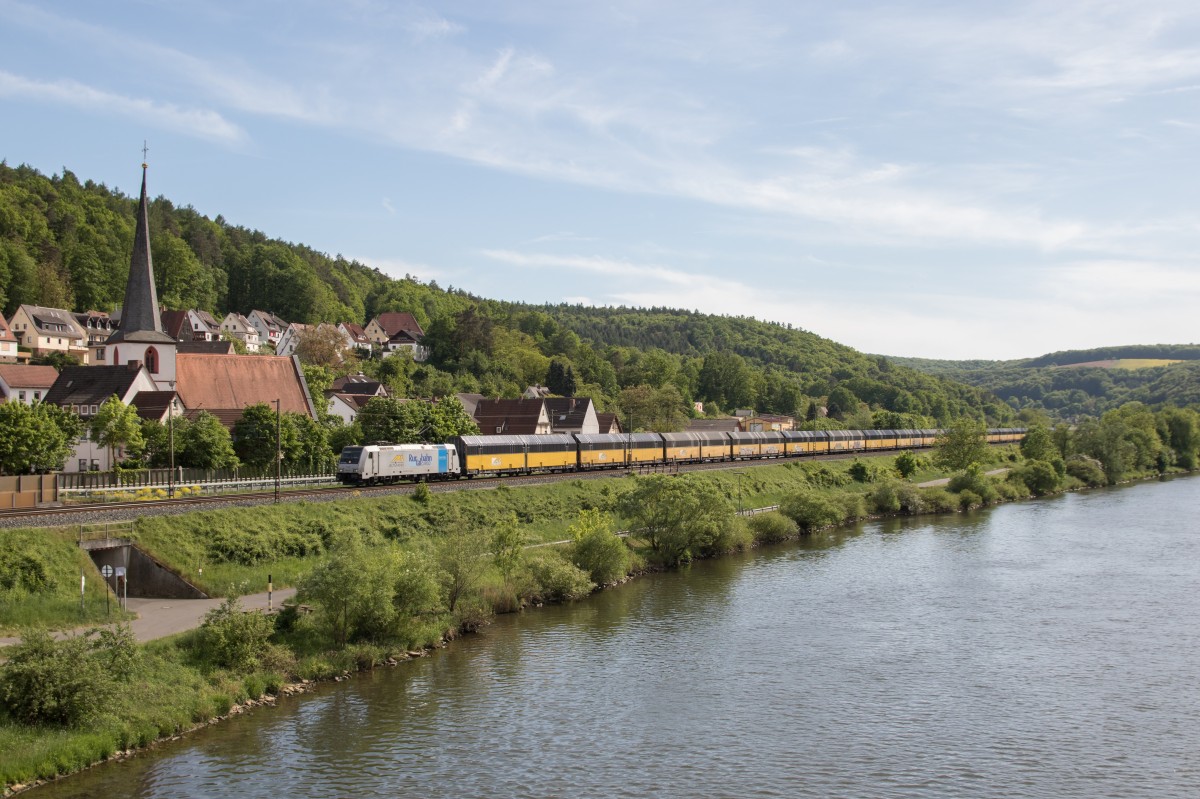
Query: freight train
470	456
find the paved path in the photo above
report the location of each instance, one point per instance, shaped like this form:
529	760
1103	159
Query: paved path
158	618
946	480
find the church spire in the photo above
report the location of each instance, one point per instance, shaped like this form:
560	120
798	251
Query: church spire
139	316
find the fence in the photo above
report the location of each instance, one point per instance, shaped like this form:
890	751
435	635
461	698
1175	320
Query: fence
27	491
147	484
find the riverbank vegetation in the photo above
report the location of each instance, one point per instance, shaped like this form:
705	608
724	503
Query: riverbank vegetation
379	579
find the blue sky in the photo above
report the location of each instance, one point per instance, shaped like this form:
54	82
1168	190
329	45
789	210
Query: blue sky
957	180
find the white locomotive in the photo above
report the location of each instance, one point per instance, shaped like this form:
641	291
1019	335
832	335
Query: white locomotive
390	463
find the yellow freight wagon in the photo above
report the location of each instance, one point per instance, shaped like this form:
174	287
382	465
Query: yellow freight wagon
556	452
806	442
602	450
757	444
515	454
846	441
490	454
695	447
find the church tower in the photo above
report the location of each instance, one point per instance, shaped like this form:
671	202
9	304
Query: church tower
140	338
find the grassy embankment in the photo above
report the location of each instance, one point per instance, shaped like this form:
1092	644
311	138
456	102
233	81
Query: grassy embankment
176	684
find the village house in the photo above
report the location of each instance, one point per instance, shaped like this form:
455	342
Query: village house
97	326
46	330
27	384
356	337
237	326
396	331
290	338
9	352
572	415
512	417
82	390
269	326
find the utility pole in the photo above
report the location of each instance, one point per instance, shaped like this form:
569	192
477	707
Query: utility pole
171	448
278	449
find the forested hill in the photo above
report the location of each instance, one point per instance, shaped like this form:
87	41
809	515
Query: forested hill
1077	383
66	243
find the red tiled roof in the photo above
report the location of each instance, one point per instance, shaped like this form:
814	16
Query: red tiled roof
21	376
395	321
232	382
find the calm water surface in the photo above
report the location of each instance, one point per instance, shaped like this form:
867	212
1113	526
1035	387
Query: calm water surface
1043	649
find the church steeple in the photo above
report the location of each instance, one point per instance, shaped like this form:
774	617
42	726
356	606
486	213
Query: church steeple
140	312
140	337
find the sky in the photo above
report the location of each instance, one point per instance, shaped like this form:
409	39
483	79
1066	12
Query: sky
932	179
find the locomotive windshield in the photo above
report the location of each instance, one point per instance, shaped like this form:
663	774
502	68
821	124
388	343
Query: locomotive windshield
350	454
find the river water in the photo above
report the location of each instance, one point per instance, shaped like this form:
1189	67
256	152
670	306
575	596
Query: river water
1039	649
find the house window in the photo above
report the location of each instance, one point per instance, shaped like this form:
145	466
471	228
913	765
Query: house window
117	355
95	409
83	464
37	395
152	360
21	396
100	355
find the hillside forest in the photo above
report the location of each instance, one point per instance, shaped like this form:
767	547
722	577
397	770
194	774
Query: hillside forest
1071	385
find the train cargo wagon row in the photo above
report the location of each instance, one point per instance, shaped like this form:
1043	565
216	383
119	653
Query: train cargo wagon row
560	452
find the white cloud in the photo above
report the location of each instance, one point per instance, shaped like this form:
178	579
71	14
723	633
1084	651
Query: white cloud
201	123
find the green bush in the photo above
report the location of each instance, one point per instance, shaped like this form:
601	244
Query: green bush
885	498
1040	477
853	507
912	500
770	528
1088	471
60	683
968	499
908	463
938	500
597	550
733	536
811	511
23	571
859	471
234	639
973	480
556	579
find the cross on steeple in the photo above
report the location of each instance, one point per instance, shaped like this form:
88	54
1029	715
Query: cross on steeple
145	150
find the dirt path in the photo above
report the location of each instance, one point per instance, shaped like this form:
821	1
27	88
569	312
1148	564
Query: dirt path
946	480
158	618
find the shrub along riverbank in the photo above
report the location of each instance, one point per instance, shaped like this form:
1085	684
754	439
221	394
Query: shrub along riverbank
386	577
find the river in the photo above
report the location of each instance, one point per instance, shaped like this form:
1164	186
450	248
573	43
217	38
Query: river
1038	649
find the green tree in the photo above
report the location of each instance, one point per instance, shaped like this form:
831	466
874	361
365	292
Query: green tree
205	444
508	548
677	518
462	556
598	550
1038	445
1180	429
254	435
1040	477
962	443
117	425
354	589
448	418
36	438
